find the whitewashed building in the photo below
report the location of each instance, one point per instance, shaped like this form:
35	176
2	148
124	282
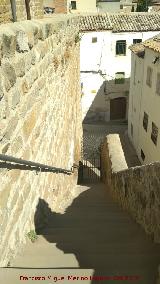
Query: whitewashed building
144	100
83	6
106	61
112	6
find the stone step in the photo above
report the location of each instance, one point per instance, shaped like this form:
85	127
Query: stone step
115	234
88	260
129	246
81	223
96	235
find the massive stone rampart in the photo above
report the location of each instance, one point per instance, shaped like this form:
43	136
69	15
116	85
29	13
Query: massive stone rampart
40	121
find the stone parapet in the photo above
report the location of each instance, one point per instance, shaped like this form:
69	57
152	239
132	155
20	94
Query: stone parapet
137	189
40	121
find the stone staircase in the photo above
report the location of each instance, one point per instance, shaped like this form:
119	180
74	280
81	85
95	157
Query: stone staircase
94	237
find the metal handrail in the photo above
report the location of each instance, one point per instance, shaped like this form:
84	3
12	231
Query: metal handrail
39	166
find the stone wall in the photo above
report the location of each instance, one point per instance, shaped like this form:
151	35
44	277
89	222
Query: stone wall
137	189
36	9
5	11
40	121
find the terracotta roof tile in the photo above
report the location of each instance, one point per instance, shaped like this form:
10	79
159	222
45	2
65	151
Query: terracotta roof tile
153	43
121	22
138	49
95	23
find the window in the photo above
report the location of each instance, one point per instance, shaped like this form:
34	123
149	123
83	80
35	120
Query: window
121	6
137	40
142	155
73	5
158	84
94	39
132	129
121	47
135	65
154	134
145	121
149	76
119	78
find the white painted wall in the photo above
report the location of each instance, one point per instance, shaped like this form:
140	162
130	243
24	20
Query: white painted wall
135	98
150	103
85	6
101	63
104	7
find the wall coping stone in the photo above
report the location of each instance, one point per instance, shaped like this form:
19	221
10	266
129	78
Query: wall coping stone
118	162
22	36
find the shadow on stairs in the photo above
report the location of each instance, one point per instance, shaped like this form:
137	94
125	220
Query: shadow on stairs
93	238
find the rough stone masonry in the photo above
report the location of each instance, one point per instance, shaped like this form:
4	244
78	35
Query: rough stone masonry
136	189
40	121
36	10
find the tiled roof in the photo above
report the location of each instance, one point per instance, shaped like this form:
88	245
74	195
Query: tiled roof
153	43
121	22
138	49
95	23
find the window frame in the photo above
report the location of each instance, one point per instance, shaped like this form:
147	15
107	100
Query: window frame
142	155
131	129
120	80
158	83
121	44
138	40
149	76
94	39
145	121
154	133
74	7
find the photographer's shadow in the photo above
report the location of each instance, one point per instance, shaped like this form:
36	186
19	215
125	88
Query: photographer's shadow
100	235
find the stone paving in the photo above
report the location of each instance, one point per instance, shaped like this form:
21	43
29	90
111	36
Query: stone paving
94	134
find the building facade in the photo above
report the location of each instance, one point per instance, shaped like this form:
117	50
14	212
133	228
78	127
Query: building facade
83	6
112	6
106	62
144	100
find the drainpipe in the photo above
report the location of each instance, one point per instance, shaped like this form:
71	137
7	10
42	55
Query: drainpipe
13	8
28	9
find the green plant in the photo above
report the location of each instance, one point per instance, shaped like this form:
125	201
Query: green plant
32	236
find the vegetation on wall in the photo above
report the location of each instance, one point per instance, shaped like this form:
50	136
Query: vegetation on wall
142	5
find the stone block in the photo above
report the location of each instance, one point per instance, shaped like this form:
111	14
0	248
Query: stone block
8	43
19	67
22	44
17	145
14	175
15	98
29	124
4	195
5	148
11	128
9	73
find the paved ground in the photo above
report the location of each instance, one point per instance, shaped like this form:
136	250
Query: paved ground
94	135
93	238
